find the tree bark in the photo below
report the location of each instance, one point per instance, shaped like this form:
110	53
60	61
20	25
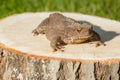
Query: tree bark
21	67
24	57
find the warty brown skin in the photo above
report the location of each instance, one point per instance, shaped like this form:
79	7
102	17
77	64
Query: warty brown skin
62	30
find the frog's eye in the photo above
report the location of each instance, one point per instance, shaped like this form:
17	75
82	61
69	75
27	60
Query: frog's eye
79	30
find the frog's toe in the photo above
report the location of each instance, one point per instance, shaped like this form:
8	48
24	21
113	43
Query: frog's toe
58	49
35	33
97	43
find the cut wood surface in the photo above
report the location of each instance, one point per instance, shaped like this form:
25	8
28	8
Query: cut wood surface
15	33
26	57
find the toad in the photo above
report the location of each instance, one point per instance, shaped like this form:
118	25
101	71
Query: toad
62	30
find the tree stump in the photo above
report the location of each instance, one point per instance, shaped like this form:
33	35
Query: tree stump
25	57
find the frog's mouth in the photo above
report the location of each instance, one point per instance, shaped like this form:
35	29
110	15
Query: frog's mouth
82	39
77	40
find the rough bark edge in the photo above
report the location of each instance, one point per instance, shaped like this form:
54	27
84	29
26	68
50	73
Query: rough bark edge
17	65
112	60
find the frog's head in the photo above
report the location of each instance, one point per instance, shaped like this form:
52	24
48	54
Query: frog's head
85	31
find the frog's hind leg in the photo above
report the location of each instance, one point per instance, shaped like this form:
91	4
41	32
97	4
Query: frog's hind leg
56	44
97	43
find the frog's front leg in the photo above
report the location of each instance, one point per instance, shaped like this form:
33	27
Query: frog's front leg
56	44
38	31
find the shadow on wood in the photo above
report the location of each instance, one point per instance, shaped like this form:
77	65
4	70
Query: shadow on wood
105	35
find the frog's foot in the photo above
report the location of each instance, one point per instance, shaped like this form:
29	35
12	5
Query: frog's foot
97	43
56	44
35	32
38	31
58	48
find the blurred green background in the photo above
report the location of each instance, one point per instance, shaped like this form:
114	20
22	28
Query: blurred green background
104	8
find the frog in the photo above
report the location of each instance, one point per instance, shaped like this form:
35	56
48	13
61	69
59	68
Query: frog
61	30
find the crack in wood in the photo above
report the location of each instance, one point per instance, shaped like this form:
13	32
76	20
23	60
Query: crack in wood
2	63
95	73
110	78
119	71
77	73
1	55
60	73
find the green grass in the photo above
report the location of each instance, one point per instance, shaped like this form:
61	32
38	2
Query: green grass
104	8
